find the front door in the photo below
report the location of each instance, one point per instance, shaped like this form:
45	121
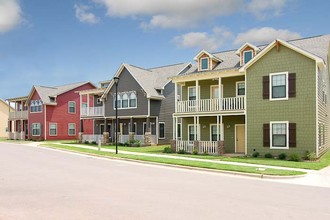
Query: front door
240	138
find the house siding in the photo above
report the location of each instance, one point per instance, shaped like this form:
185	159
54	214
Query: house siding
37	117
300	109
4	113
127	83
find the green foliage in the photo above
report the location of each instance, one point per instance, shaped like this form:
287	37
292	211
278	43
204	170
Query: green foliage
195	152
282	156
181	151
268	155
310	156
86	142
94	142
294	157
255	154
167	150
205	153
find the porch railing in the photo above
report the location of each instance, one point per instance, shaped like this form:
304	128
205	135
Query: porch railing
18	115
187	146
92	138
211	105
92	111
210	147
125	138
16	135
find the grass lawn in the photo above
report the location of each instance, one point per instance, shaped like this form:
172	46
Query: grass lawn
208	165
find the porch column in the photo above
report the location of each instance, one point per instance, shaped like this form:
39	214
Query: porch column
174	129
221	130
22	130
87	104
198	129
195	130
220	93
80	100
197	95
217	127
176	96
131	125
148	125
105	125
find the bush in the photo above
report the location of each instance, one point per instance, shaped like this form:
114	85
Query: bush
86	142
195	152
282	156
294	157
205	153
167	150
268	155
255	154
182	151
94	142
310	156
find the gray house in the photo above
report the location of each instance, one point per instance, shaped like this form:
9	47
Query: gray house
145	105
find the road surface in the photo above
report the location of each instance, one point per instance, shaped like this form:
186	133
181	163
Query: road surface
38	183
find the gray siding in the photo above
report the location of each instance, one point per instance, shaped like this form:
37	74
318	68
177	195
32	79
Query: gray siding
127	83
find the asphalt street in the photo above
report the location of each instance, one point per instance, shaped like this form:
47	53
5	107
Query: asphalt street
38	183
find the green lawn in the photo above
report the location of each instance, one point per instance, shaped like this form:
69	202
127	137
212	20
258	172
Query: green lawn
208	165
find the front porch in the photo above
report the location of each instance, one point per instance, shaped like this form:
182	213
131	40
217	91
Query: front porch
199	147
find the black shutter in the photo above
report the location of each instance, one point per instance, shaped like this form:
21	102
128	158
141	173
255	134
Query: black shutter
292	135
265	87
266	135
292	85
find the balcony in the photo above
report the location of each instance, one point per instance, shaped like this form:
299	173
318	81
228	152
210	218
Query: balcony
211	105
92	111
17	115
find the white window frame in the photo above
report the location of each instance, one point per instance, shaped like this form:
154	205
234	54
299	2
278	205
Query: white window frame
220	131
129	127
36	104
75	110
271	134
75	129
211	91
271	86
208	63
244	55
121	101
240	82
159	130
199	92
198	130
55	128
38	128
179	137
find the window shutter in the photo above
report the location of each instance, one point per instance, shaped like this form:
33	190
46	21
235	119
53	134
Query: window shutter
266	135
292	85
265	87
292	135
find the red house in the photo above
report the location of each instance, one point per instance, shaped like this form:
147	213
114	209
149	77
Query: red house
54	112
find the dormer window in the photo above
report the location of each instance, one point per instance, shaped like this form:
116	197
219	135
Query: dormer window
204	63
248	55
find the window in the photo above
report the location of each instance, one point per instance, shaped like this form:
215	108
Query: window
240	88
214	92
36	129
279	135
84	105
125	101
279	88
72	129
72	107
36	106
161	130
132	100
191	132
192	93
134	127
179	131
52	129
247	56
204	63
213	132
98	101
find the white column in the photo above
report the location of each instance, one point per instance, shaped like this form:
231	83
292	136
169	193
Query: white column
221	130
80	105
220	93
174	130
195	130
198	129
197	95
88	104
217	127
176	96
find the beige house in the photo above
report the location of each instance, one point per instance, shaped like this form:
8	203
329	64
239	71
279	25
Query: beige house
4	112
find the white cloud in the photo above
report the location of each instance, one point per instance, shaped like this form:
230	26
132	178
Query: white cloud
10	15
203	40
84	16
265	35
264	8
171	13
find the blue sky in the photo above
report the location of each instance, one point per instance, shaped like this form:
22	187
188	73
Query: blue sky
47	42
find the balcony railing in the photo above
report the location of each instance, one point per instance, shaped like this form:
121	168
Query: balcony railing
92	111
18	115
212	105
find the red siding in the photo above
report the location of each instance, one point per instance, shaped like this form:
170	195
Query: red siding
60	114
36	117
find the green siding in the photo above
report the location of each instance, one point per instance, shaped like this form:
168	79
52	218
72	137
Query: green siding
300	110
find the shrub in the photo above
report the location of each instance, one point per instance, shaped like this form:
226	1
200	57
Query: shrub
195	152
255	154
268	155
294	157
205	153
181	151
94	142
282	156
310	156
86	142
167	150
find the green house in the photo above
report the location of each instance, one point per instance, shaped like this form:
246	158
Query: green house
268	99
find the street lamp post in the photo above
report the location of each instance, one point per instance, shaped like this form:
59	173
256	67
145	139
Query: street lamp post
116	80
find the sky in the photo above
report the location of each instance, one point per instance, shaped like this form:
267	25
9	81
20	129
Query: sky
57	42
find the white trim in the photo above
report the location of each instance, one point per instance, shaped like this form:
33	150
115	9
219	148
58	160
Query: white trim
240	82
238	51
75	106
199	91
45	124
286	86
177	124
216	86
243	58
271	134
220	128
31	129
162	138
52	123
207	53
75	129
201	63
195	130
149	107
239	125
317	110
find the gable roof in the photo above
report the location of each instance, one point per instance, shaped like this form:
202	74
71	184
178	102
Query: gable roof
46	93
238	51
212	56
150	79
